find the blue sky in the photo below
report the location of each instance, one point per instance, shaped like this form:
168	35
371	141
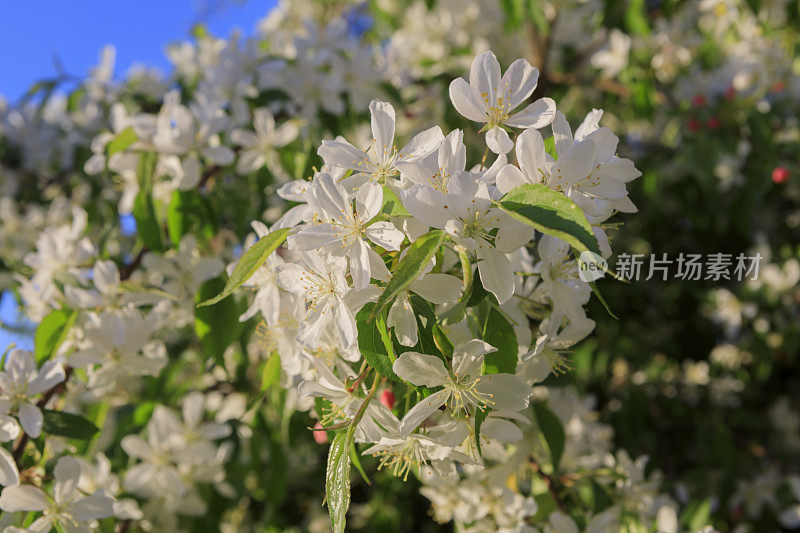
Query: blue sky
32	31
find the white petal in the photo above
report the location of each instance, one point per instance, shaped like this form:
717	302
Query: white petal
422	144
346	325
331	196
50	375
467	100
425	408
531	155
485	75
67	473
508	392
23	498
341	154
520	79
511	238
359	264
502	430
93	507
497	274
421	369
135	446
498	141
20	364
105	275
438	288
382	127
368	200
401	318
537	115
30	418
385	234
574	164
426	204
510	177
9	475
193	408
314	237
562	133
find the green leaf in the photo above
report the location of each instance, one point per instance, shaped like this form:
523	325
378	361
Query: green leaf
250	261
271	373
442	342
498	332
146	222
480	417
410	267
695	516
337	481
596	292
357	463
392	206
550	212
636	17
374	342
552	430
122	141
217	325
144	210
188	214
514	12
51	332
67	425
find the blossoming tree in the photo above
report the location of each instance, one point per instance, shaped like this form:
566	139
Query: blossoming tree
341	261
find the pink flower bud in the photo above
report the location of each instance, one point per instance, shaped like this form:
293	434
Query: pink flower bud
321	437
388	398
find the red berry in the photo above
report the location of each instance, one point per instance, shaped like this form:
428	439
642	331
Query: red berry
779	87
694	124
780	174
321	437
714	123
388	399
699	100
730	93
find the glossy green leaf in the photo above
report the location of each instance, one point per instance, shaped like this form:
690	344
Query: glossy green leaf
51	332
550	212
67	425
217	326
122	141
410	267
375	343
250	261
188	214
553	432
337	481
498	332
392	206
144	211
271	372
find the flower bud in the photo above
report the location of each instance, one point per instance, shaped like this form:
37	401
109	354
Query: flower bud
320	437
388	398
